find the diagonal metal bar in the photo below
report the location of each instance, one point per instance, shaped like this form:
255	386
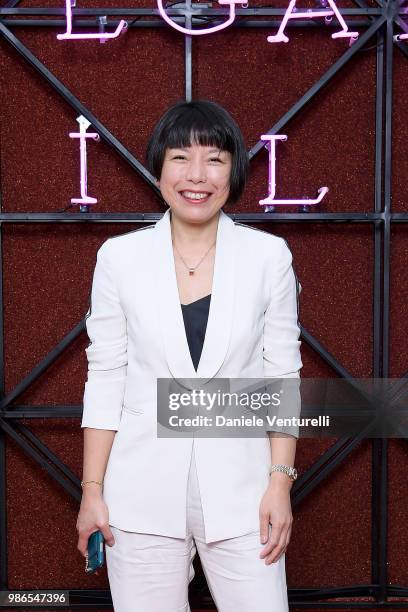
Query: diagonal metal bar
398	20
398	388
39	458
322	467
402	46
11	3
43	365
329	461
316	87
335	455
80	108
45	450
324	353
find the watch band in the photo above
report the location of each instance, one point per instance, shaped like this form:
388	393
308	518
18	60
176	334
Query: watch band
287	469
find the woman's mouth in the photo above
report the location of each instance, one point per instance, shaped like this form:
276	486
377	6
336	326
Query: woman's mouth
195	197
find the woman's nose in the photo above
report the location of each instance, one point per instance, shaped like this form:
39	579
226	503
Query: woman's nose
196	171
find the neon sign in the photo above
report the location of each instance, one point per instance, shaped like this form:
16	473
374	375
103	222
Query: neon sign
102	36
84	124
293	13
270	201
189	31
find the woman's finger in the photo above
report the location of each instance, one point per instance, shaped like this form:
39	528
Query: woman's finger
83	543
264	526
278	550
107	535
273	540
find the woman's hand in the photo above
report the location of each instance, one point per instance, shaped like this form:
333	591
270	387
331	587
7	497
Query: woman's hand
275	508
93	516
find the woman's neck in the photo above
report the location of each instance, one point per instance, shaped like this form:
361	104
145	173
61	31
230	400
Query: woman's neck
194	237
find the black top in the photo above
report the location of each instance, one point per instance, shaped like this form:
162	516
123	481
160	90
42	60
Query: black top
195	322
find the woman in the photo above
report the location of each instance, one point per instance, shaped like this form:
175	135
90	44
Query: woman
195	296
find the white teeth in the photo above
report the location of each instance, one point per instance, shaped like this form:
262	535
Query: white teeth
194	196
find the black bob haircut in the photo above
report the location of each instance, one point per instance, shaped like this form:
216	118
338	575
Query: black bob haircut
204	123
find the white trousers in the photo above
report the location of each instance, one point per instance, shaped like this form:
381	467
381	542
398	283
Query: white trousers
151	573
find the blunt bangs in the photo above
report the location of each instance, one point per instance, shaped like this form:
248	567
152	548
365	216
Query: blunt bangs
203	123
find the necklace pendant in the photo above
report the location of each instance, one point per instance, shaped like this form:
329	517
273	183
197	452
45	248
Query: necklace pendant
191	271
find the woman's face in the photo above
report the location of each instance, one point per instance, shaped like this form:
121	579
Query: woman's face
195	181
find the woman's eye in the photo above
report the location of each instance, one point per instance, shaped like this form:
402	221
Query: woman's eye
216	159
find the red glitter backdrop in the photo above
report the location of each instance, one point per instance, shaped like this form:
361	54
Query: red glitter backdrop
47	268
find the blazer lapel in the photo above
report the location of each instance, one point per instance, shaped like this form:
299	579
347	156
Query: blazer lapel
220	315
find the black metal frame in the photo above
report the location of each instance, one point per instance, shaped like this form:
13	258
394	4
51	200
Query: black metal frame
379	22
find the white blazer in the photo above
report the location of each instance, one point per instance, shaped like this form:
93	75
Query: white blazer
136	331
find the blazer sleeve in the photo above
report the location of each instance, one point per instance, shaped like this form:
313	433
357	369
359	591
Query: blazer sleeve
281	352
107	351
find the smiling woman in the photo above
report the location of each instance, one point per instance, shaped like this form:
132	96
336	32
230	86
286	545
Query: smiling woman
199	176
195	297
199	156
210	126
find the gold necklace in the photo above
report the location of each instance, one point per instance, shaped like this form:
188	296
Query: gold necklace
190	269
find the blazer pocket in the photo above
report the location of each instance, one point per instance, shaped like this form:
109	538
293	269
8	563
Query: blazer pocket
132	410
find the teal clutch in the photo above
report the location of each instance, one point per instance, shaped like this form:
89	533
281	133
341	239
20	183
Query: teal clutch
95	555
